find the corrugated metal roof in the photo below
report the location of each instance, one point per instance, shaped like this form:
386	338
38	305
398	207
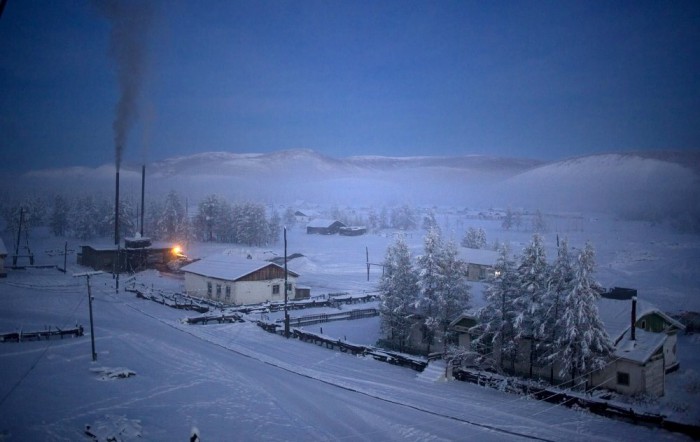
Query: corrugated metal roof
228	267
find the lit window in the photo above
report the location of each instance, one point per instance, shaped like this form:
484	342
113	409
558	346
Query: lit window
623	378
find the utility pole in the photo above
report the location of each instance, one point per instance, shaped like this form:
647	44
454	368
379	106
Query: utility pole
87	275
286	312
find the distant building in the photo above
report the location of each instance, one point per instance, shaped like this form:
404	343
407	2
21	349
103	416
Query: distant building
3	255
353	230
305	216
480	263
235	280
136	254
324	226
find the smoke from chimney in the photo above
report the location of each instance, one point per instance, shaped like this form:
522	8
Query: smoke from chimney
131	21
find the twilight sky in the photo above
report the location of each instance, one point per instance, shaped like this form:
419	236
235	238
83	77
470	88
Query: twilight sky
544	80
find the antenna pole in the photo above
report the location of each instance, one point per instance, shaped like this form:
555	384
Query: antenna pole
286	312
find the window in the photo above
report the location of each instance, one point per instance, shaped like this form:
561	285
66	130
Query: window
218	291
275	289
228	292
289	287
209	289
623	378
644	324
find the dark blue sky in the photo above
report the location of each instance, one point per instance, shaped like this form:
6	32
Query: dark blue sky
544	80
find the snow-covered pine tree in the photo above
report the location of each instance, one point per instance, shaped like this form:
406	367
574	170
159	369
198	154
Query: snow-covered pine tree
508	221
584	345
172	223
398	291
539	225
443	288
213	219
274	227
559	282
429	221
455	290
429	283
474	238
532	275
59	216
496	335
403	218
84	218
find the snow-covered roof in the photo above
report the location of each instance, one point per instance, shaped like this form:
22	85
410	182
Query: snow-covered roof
320	222
642	348
3	250
478	256
228	267
616	315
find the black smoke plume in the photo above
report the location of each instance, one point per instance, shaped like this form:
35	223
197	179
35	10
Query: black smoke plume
131	21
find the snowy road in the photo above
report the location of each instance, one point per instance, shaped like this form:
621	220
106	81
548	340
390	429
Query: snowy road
237	382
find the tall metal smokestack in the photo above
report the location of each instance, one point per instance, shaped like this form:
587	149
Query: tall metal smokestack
116	212
633	335
143	194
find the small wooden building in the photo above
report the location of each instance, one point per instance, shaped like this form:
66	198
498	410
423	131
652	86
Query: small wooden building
235	280
324	227
3	255
136	254
480	263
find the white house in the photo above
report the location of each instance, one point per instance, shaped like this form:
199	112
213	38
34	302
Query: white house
3	255
480	262
235	280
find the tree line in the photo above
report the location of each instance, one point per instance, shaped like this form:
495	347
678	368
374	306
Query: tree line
550	308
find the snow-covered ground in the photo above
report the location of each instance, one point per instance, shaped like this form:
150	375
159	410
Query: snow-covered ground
237	382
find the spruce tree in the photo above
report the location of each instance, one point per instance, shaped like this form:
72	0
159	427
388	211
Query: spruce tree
398	291
495	330
584	345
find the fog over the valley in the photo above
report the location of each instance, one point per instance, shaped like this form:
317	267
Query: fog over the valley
648	186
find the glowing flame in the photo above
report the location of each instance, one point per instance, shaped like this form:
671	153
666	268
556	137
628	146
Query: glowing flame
177	250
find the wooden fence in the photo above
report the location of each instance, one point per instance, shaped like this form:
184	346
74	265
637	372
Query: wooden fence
43	334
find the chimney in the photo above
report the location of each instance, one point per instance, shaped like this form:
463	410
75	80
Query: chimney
634	318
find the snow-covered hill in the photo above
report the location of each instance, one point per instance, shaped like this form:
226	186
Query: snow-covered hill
649	185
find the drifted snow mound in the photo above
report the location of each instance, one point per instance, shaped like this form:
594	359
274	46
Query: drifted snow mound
114	428
635	185
109	374
302	265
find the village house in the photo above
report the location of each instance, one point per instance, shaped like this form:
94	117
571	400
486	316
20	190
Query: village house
642	354
235	280
304	216
3	255
480	263
324	226
135	254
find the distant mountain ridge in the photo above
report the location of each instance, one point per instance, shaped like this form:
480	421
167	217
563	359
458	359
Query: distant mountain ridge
224	163
639	185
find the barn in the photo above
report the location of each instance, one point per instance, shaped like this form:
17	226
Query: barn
324	226
235	280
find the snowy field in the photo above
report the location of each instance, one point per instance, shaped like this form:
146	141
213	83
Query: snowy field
237	382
